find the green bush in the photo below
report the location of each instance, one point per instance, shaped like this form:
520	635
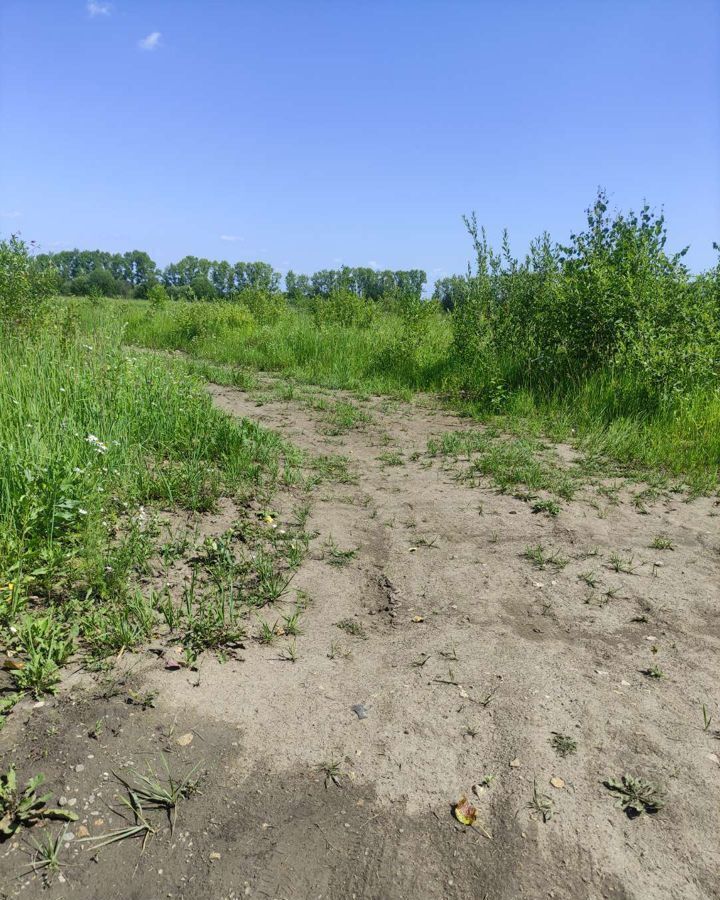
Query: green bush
342	307
266	307
25	287
612	300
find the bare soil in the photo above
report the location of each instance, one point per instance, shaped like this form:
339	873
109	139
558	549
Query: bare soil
466	657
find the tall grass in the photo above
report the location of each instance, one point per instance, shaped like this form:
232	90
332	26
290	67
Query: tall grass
90	432
94	438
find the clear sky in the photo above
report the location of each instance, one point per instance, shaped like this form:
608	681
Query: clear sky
310	134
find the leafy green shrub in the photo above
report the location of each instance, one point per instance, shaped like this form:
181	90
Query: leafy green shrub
156	296
613	300
342	307
25	287
266	307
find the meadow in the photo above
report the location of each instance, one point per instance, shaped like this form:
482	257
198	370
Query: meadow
609	343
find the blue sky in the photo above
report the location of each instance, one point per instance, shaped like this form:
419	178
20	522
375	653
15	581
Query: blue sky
310	134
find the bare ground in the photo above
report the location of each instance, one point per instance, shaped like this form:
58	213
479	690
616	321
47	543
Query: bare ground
466	657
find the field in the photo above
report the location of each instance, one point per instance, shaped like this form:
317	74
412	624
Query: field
307	595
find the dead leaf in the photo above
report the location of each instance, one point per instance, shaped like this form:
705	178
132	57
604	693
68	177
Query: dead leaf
82	832
185	739
13	665
557	782
464	811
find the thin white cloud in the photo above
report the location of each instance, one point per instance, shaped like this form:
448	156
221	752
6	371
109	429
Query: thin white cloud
230	237
10	214
151	42
98	9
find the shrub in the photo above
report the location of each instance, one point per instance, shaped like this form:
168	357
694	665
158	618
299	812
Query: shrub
342	307
612	301
25	287
266	307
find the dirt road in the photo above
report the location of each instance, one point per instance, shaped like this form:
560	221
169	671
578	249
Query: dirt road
453	642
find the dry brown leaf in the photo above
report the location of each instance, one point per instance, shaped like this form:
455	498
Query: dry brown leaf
13	665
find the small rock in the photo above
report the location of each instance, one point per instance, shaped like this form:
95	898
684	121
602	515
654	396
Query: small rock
185	739
80	768
214	856
82	832
515	763
359	710
557	782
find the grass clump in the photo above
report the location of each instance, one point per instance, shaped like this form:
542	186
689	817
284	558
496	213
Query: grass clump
563	744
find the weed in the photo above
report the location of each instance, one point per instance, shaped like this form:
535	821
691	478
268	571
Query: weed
292	624
661	542
290	652
550	507
267	632
563	744
621	564
541	804
332	468
24	807
143	699
392	458
541	558
330	768
636	796
46	858
334	556
654	671
590	578
351	626
337	649
707	718
153	792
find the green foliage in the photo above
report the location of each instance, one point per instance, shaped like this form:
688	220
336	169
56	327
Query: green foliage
157	296
265	307
613	302
342	307
636	796
25	287
47	644
24	807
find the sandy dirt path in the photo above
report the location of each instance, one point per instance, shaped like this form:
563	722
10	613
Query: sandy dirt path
466	659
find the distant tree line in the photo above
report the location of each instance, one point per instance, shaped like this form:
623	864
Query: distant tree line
85	272
371	284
